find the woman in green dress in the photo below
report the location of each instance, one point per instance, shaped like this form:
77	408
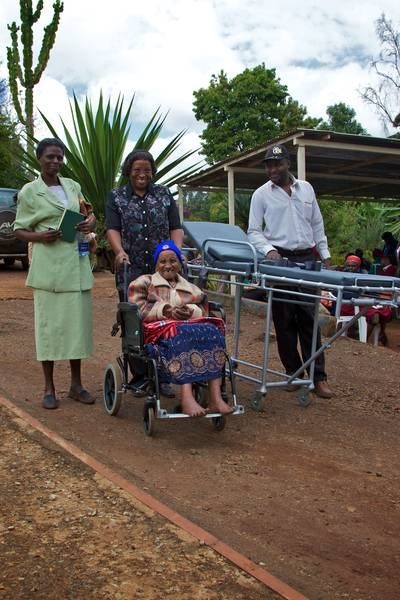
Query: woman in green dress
60	272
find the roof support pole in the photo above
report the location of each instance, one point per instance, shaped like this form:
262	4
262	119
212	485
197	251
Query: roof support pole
180	202
231	212
301	162
231	196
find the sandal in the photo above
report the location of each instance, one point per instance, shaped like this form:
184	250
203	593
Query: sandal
50	401
82	396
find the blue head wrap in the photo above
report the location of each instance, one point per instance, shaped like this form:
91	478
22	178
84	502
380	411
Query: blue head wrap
167	245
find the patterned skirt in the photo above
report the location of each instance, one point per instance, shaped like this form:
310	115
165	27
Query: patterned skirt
196	353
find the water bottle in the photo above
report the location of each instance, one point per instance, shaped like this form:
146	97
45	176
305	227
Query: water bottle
83	244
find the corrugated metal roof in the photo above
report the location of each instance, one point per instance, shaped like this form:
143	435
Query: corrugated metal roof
338	165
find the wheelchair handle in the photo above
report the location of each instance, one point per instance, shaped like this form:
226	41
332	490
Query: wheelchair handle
125	268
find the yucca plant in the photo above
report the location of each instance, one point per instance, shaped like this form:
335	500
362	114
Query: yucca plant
95	148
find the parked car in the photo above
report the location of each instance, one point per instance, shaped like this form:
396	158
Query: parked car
11	249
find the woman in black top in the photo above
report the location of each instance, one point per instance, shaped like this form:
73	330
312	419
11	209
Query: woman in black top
138	216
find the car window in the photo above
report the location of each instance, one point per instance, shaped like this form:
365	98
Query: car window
7	197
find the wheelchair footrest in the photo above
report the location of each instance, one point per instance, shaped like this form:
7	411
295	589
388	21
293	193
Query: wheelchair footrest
164	414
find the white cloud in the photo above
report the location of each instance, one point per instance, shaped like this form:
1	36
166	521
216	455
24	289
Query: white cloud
163	51
59	105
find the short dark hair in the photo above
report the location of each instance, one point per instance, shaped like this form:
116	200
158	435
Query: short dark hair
138	155
387	235
43	144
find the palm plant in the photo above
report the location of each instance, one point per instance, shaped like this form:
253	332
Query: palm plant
371	224
391	217
96	144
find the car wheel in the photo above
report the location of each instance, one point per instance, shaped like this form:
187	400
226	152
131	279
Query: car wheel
9	261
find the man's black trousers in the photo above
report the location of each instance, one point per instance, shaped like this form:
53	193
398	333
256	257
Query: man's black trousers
293	324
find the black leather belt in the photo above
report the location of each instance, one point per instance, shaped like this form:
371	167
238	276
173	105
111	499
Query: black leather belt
300	252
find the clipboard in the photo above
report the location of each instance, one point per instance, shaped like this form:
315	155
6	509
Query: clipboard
69	220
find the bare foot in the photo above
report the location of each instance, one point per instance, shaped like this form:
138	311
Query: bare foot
220	406
191	407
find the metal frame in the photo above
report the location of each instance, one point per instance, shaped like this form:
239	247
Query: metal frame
272	285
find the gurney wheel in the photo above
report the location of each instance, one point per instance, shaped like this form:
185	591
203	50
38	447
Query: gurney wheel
257	401
112	394
148	420
304	397
219	423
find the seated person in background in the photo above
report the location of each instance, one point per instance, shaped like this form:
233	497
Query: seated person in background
388	266
365	264
352	263
376	314
377	254
187	345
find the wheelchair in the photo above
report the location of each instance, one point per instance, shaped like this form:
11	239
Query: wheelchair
116	375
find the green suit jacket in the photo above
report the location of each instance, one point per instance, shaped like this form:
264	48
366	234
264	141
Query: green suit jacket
55	267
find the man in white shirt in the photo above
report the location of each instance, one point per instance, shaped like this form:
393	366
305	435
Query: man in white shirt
285	221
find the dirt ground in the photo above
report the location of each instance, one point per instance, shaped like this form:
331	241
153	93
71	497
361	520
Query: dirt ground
73	535
312	494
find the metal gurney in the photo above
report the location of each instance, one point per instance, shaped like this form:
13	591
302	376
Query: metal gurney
226	251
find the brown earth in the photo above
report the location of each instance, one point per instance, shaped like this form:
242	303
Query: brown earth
312	493
67	533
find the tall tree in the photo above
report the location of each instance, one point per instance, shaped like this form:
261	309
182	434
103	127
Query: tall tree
213	206
341	117
386	96
245	111
11	173
25	73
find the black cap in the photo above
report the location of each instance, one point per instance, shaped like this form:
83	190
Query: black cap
277	152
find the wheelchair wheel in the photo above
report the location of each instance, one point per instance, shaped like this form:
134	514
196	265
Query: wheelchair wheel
148	419
219	423
112	394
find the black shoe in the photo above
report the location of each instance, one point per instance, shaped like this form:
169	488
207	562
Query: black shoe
166	390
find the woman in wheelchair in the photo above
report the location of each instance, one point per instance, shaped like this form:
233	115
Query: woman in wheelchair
187	345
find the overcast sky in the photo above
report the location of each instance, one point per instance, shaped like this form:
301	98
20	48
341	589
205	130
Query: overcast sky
163	50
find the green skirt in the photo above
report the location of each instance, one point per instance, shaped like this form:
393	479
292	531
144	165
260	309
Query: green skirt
63	325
